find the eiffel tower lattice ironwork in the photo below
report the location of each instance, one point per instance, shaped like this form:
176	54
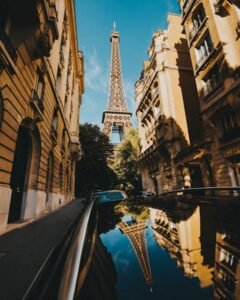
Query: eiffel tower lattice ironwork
116	117
136	234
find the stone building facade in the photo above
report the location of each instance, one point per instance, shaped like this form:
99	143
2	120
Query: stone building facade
167	110
41	83
212	29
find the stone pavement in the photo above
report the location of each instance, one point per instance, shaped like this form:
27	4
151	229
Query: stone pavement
23	250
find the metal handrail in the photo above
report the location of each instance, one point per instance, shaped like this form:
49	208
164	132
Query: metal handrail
73	262
59	274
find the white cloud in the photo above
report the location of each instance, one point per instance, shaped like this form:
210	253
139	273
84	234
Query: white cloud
96	78
129	88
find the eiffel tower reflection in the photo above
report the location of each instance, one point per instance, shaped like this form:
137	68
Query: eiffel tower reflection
136	234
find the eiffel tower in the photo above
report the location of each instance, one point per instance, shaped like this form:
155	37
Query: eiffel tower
136	234
116	117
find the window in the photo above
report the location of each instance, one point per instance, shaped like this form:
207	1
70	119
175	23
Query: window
228	123
38	93
229	127
203	50
198	16
212	80
197	20
59	80
55	124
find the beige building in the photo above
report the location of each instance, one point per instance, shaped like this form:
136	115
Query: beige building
41	83
185	242
167	110
213	34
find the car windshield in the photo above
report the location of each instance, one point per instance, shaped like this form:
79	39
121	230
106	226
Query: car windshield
107	196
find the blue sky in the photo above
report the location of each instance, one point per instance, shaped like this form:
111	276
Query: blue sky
136	21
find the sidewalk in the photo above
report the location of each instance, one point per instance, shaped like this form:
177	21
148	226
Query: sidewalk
23	250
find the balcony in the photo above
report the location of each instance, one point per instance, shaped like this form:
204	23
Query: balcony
51	11
196	30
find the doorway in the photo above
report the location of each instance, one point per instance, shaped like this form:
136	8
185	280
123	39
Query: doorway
196	176
20	172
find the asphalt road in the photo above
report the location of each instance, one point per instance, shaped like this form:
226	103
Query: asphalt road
23	250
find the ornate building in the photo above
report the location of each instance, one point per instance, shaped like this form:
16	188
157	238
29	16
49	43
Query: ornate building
116	118
41	83
187	241
213	33
167	111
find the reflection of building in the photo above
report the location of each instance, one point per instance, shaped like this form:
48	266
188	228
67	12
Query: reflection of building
183	242
136	234
116	118
102	277
213	33
167	110
41	82
227	266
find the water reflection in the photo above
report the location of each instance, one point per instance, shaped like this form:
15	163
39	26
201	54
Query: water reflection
193	247
102	277
135	231
183	242
227	258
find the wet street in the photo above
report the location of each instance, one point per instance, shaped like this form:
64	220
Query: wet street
166	250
